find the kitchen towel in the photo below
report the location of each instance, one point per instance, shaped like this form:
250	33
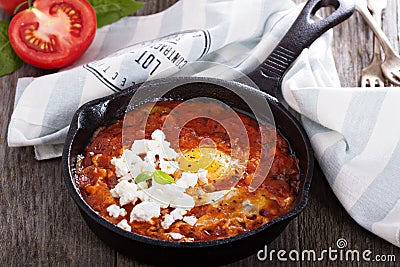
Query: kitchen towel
351	129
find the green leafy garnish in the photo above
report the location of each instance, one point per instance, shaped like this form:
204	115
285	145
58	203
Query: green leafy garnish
9	61
159	176
24	5
109	11
162	177
144	176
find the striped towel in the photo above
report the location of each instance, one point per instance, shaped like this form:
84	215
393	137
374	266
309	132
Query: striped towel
356	142
355	137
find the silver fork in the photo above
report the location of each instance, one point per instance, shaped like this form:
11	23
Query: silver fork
391	64
372	76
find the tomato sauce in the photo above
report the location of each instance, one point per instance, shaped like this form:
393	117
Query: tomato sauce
236	213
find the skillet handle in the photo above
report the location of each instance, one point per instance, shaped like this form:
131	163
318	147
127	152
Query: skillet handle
301	35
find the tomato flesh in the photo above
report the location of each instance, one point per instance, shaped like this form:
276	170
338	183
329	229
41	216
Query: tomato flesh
53	34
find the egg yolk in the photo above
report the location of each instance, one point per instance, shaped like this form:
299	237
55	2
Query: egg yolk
214	161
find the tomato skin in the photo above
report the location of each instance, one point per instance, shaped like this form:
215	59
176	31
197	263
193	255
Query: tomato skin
9	5
53	33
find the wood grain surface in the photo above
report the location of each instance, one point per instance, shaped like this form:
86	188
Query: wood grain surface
41	226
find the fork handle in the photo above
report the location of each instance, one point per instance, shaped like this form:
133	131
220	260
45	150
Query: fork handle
361	7
377	14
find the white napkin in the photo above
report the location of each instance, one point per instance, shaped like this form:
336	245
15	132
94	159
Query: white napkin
356	142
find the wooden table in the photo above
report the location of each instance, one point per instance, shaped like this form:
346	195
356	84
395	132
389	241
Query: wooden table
40	225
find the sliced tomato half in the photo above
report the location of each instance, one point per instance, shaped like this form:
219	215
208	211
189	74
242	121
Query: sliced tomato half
53	33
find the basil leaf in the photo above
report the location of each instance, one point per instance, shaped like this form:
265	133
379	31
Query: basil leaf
109	11
9	61
163	177
144	176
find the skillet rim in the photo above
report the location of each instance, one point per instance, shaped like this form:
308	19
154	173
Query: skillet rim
67	167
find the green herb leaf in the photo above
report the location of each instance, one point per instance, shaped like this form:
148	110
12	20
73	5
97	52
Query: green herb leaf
144	176
163	177
109	11
9	61
23	5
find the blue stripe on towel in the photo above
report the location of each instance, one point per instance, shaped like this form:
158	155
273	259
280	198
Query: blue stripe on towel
117	33
307	101
365	120
55	118
312	128
166	26
213	17
376	202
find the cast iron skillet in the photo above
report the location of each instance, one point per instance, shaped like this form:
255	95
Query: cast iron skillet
106	110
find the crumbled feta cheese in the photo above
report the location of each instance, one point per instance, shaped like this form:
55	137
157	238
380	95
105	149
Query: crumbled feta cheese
143	166
145	211
116	211
145	196
178	213
126	178
187	180
121	167
151	158
124	225
130	164
168	166
170	194
125	191
192	220
158	154
139	147
131	158
160	146
167	152
153	145
168	221
141	186
176	236
135	164
158	135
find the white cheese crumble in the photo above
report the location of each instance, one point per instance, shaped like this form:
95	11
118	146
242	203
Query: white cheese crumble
187	180
116	211
124	225
178	213
192	220
168	221
168	166
145	211
126	192
190	179
170	194
130	165
166	152
121	167
139	147
176	236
